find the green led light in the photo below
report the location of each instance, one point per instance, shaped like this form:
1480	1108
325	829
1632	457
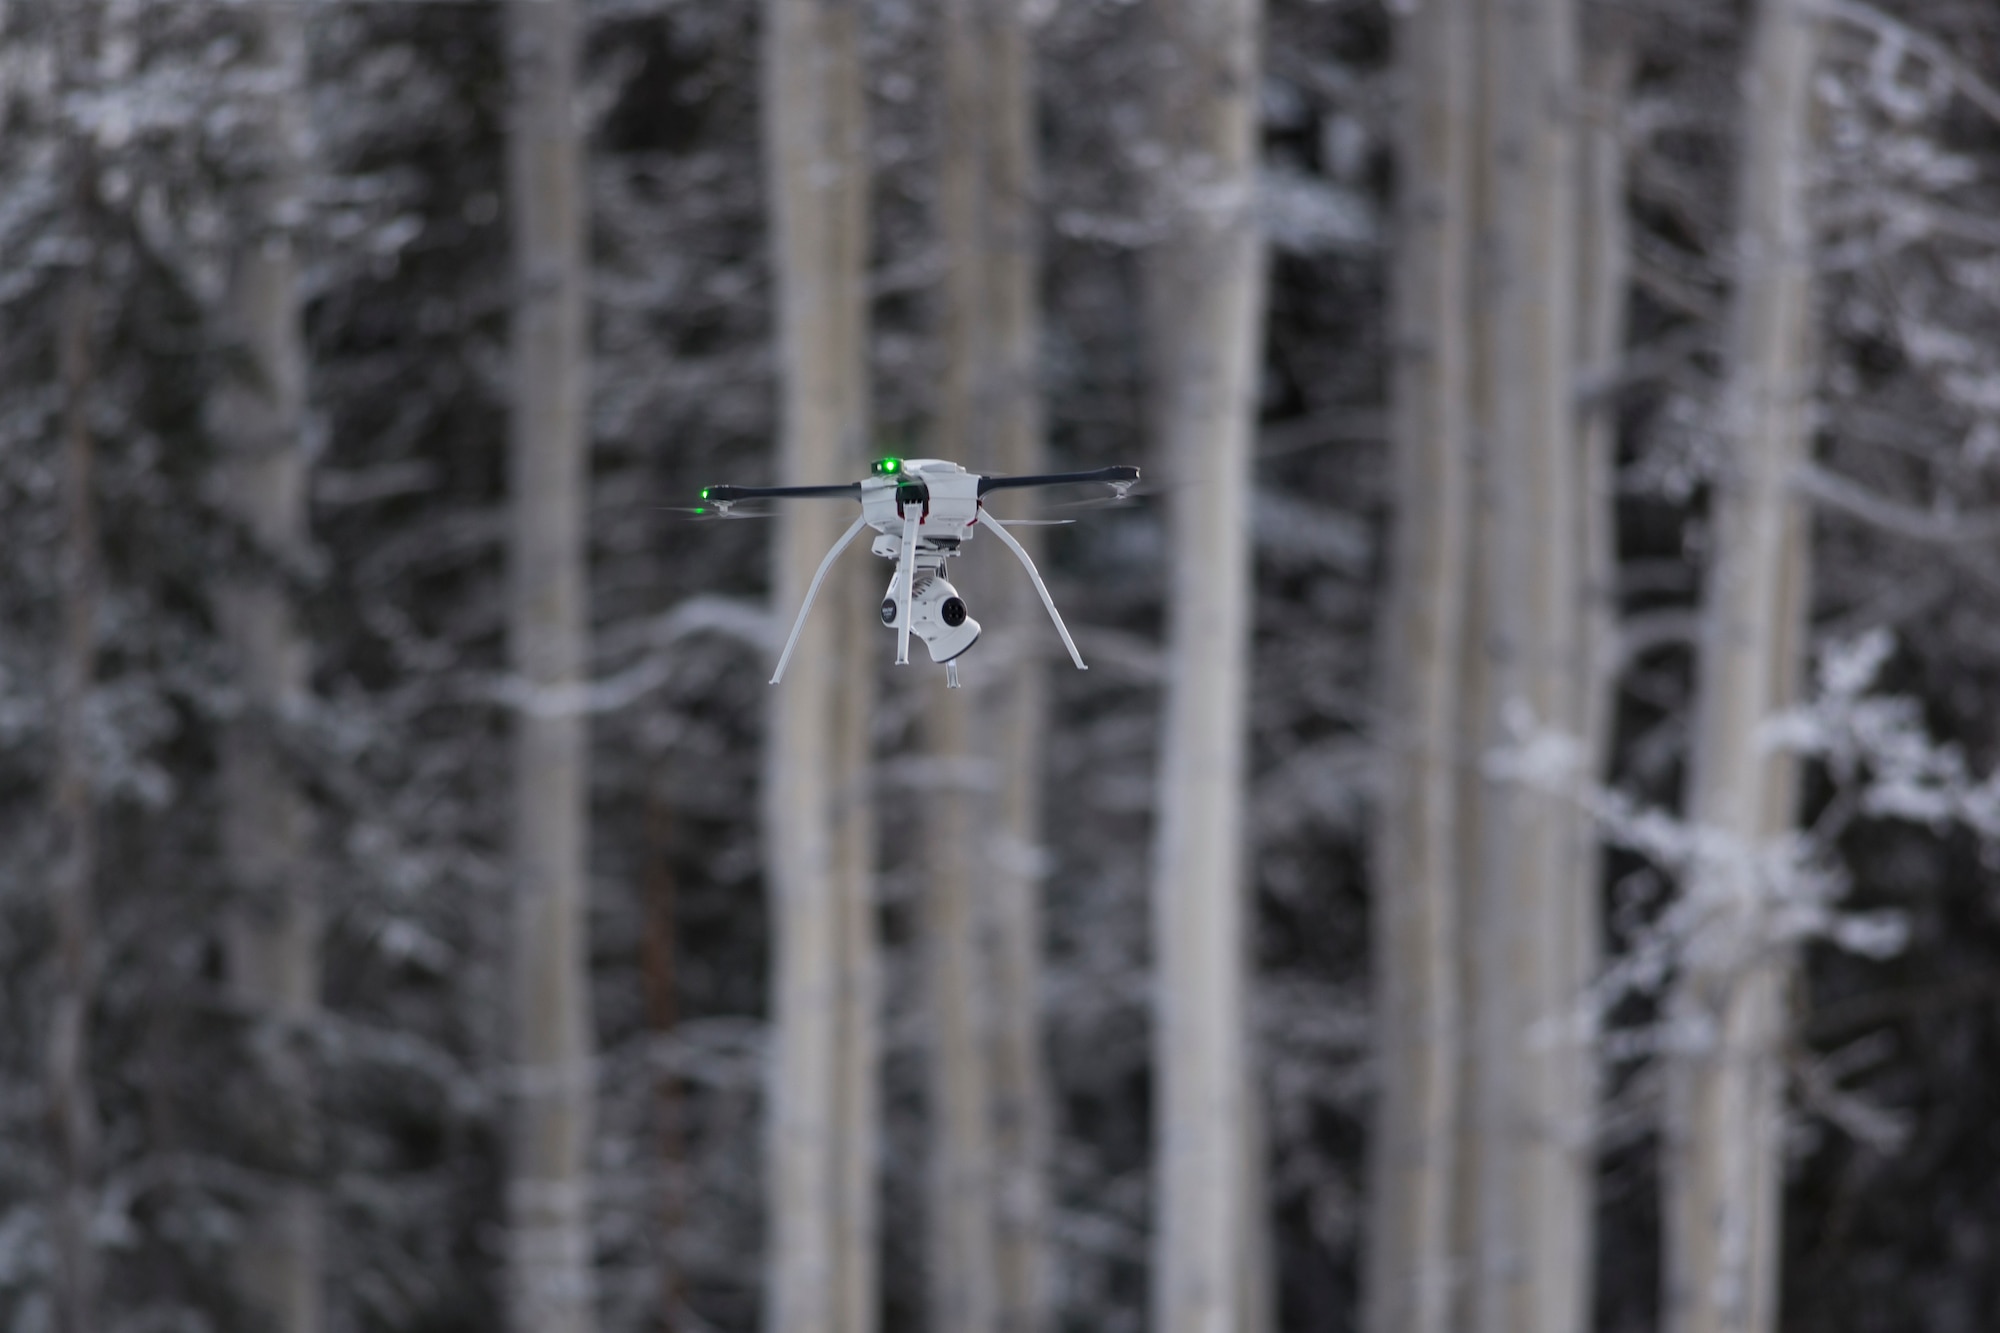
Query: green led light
700	510
888	467
704	492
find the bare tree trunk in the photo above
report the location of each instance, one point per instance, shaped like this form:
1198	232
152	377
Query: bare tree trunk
73	815
858	1040
549	1248
987	1198
961	1216
1529	920
1412	1254
959	1203
1604	258
819	812
659	962
1723	1164
1013	710
1205	319
258	415
1487	925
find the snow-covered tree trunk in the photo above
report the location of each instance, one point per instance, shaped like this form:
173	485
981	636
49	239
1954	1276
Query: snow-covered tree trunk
1723	1165
1205	303
549	1249
72	1108
1412	1248
818	812
258	417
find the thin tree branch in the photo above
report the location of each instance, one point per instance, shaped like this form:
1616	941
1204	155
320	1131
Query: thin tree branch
1837	493
1973	88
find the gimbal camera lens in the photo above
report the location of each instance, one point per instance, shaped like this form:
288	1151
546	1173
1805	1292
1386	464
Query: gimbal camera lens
888	610
953	612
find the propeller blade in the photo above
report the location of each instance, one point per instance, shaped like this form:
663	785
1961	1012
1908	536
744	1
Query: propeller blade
712	513
1034	522
1103	502
1126	495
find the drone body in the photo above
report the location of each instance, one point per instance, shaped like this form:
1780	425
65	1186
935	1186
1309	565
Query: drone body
924	512
920	600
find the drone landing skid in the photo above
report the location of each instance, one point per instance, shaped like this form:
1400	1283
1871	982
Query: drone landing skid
987	520
853	531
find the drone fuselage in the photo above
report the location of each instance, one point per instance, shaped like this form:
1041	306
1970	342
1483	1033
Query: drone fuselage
948	497
944	498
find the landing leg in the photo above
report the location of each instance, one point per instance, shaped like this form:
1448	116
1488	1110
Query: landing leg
812	592
987	521
906	567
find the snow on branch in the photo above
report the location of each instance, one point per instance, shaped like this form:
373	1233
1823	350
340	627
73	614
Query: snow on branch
1899	38
1792	877
732	618
1880	756
1880	742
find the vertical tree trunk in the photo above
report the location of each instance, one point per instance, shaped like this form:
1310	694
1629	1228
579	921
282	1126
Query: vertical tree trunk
1205	319
819	813
659	964
858	1039
1604	258
1529	916
987	1191
1723	1164
258	417
1487	914
1532	918
1014	710
1412	1258
961	1215
549	1249
73	815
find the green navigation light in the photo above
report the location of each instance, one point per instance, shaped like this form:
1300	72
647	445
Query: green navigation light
704	492
888	467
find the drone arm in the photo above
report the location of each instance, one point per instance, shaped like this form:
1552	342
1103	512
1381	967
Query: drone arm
906	570
731	494
798	626
1114	475
988	521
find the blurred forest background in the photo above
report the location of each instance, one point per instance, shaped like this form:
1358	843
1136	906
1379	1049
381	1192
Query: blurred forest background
1522	858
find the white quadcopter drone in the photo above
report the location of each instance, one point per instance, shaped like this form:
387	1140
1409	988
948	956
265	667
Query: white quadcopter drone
925	511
